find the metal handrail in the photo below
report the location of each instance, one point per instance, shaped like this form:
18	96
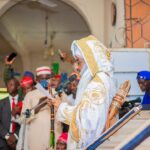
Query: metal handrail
136	138
133	112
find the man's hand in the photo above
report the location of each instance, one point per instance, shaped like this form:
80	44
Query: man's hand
49	102
11	141
63	55
56	103
42	105
16	110
118	99
9	62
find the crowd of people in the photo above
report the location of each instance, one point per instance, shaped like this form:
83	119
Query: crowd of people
42	112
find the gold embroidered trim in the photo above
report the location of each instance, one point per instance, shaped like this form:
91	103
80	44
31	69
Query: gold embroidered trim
88	55
73	127
94	69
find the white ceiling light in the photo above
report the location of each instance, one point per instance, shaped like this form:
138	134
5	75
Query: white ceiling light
48	48
46	3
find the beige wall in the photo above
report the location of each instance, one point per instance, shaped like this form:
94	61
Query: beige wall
93	12
118	29
96	13
64	66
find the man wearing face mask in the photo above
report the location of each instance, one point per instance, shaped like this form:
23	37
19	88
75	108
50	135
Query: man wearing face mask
39	124
87	118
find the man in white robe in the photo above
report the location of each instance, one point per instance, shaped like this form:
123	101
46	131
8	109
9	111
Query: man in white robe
27	86
38	135
94	94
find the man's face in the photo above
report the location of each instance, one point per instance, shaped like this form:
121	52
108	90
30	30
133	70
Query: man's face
43	77
79	63
143	84
54	82
61	145
73	86
44	80
12	86
27	89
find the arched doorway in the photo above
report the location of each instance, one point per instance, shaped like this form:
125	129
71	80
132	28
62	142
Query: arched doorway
23	26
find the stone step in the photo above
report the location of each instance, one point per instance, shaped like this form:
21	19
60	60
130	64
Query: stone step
125	131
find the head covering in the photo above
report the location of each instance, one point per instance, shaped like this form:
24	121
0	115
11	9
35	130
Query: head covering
28	74
43	70
98	61
58	76
55	68
143	75
96	55
26	81
76	51
63	137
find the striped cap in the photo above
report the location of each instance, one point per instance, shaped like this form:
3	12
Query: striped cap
43	70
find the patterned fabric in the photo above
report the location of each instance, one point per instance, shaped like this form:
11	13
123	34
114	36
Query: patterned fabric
94	94
117	102
43	70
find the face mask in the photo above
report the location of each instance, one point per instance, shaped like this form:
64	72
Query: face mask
44	83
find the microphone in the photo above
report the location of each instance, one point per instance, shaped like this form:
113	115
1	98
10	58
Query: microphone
63	86
27	113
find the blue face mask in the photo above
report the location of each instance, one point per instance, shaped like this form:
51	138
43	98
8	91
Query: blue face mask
44	83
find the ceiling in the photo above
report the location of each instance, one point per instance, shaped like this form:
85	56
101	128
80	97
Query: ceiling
26	22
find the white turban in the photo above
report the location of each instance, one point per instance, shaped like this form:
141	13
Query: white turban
75	50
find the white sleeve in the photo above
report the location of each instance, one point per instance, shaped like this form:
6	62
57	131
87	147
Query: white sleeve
64	113
27	104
